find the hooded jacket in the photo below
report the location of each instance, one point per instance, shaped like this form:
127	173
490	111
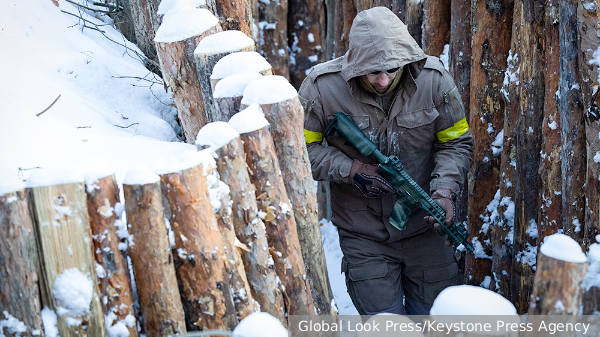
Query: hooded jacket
425	126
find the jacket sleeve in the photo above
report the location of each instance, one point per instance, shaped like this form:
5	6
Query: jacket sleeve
327	162
453	150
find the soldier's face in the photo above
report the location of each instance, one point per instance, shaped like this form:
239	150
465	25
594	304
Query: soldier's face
381	80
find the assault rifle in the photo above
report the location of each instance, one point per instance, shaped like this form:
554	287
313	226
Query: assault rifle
409	194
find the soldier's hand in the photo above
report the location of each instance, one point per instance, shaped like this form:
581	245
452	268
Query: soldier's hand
444	199
367	179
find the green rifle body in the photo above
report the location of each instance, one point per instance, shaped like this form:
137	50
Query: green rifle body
409	194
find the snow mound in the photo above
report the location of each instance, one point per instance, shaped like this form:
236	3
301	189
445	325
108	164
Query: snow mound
73	292
184	161
185	24
222	42
260	324
269	90
9	182
178	5
562	247
240	62
471	300
140	174
94	170
234	85
53	176
216	135
249	119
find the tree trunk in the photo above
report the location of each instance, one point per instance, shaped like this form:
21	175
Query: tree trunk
436	26
113	280
233	14
205	62
152	261
557	281
249	230
491	43
179	71
344	16
330	9
273	44
62	225
282	236
124	20
19	293
414	19
201	263
324	200
145	24
306	35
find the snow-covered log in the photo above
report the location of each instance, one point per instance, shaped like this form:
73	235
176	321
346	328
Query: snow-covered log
201	262
209	51
491	43
273	27
176	40
151	258
19	292
233	14
275	209
436	26
281	105
228	94
414	19
248	226
237	63
145	24
68	277
558	284
112	270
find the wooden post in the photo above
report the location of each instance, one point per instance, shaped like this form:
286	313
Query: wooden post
558	283
201	262
274	208
19	293
176	56
324	200
112	270
145	24
436	26
237	63
273	44
228	94
285	114
151	258
209	51
124	20
58	209
249	228
233	14
414	20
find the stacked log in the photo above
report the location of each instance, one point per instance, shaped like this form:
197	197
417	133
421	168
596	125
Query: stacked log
176	40
275	210
151	258
209	51
233	15
273	32
237	63
229	93
145	24
68	288
436	26
19	292
282	108
414	19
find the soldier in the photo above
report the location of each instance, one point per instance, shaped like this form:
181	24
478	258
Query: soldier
409	106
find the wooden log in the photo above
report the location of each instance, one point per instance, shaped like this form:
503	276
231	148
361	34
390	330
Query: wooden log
209	51
19	292
58	210
273	44
112	270
324	200
145	24
237	63
249	228
330	9
201	262
558	283
275	210
284	112
414	20
124	19
306	35
344	16
233	14
491	43
436	26
228	94
176	56
151	258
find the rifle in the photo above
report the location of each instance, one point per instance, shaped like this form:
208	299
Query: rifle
409	194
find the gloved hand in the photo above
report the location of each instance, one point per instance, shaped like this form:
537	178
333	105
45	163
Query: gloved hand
443	198
367	179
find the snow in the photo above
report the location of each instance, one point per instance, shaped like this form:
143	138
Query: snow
184	161
9	182
596	159
269	90
216	135
183	25
12	325
234	85
49	320
562	247
596	60
53	176
240	62
592	278
260	324
444	57
222	42
471	300
553	125
216	190
140	175
73	293
249	119
177	5
94	170
498	143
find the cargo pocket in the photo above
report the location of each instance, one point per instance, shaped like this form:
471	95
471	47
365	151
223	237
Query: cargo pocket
416	133
370	287
438	278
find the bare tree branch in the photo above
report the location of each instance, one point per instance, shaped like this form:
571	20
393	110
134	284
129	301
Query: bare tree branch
38	115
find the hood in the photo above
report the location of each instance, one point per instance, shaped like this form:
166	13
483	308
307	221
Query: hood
378	41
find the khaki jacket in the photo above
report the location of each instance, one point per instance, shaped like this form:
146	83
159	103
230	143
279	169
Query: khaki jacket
425	128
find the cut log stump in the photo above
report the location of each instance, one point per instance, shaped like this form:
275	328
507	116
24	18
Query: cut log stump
237	63
233	14
151	258
228	94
